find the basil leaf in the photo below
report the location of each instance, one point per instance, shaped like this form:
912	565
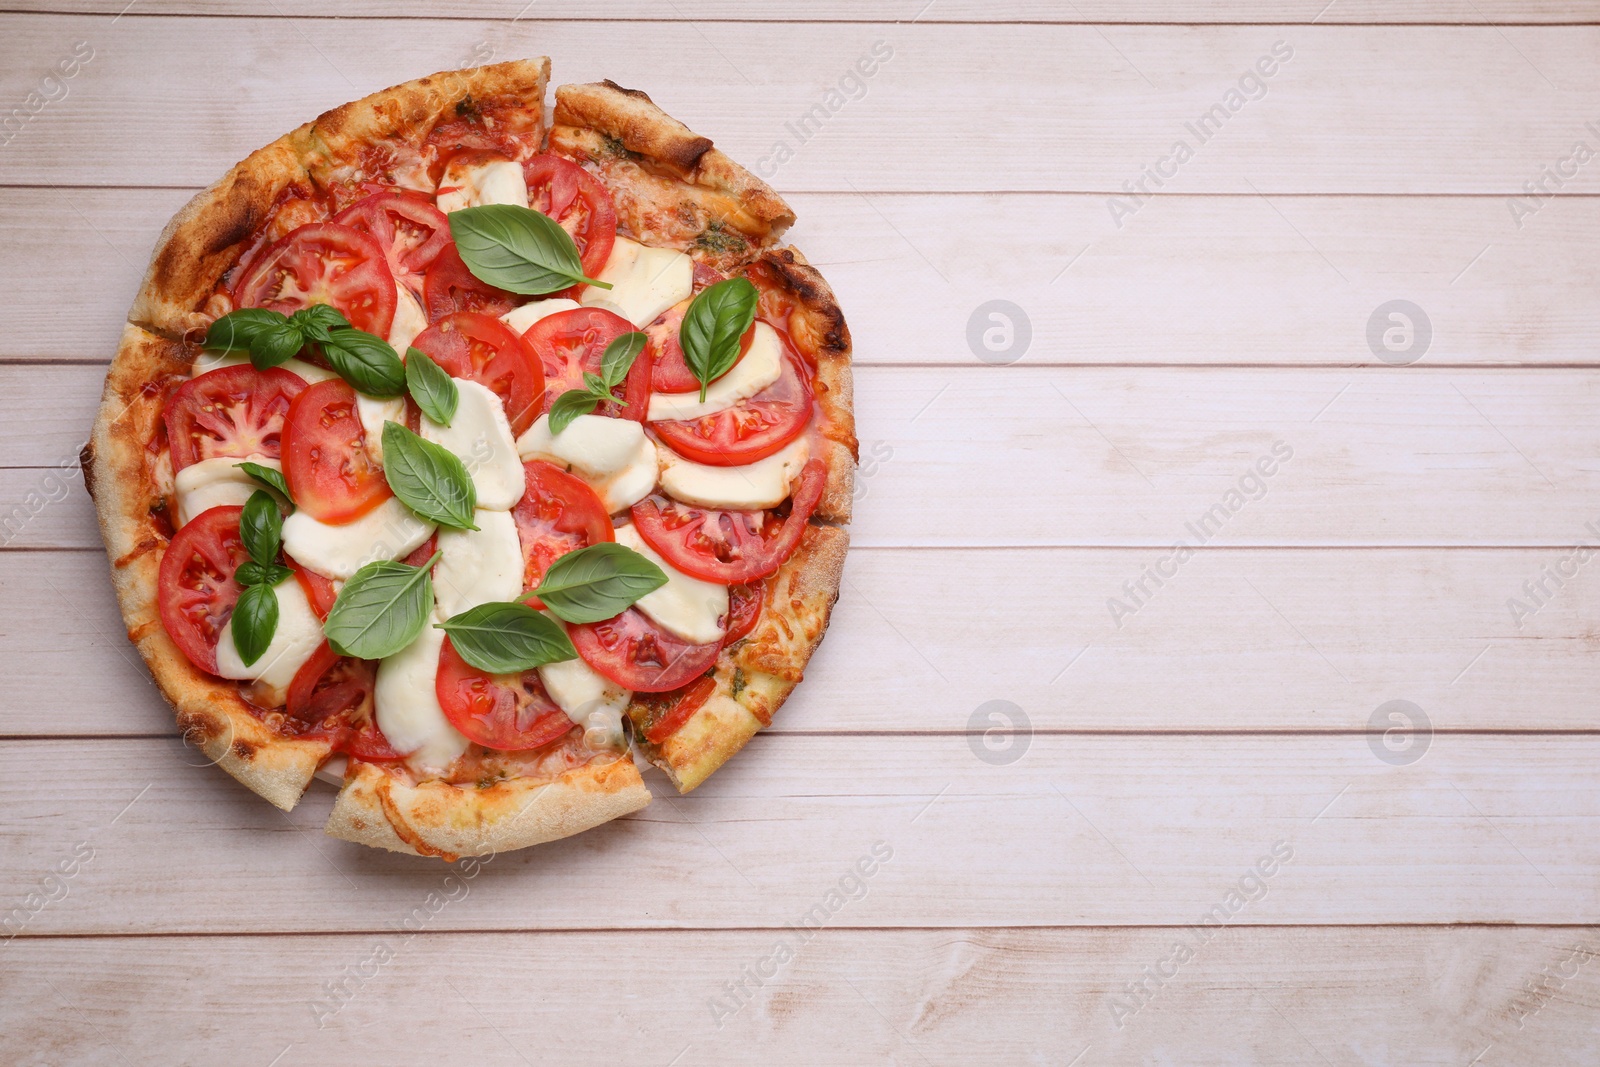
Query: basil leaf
712	327
568	406
254	622
434	391
596	385
252	573
517	249
235	330
319	321
381	609
366	361
270	478
507	638
428	478
261	527
598	582
617	359
275	345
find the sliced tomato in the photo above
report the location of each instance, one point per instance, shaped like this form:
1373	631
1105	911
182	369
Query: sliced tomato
423	552
331	475
507	712
639	655
450	287
231	411
195	590
570	343
744	608
323	263
752	429
506	125
575	198
669	371
410	230
469	344
681	710
319	591
333	695
557	514
729	546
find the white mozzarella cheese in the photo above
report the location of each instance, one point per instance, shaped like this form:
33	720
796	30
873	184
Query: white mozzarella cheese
760	367
479	566
613	456
209	361
409	320
389	531
298	634
215	483
475	182
481	438
373	413
520	318
762	484
408	705
589	698
644	281
688	607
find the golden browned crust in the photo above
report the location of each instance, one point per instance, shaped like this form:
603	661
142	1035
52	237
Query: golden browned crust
671	187
440	819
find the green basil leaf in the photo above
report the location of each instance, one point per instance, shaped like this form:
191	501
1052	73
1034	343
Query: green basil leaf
517	249
235	330
507	638
318	321
428	478
254	622
275	345
270	478
598	582
381	609
713	326
366	361
252	573
568	406
261	527
617	359
434	391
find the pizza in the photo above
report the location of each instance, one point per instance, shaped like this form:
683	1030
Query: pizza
476	462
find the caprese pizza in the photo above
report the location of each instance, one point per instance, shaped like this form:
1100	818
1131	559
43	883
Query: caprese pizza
473	464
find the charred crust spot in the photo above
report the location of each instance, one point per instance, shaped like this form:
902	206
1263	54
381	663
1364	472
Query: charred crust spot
86	458
638	94
243	750
234	230
197	729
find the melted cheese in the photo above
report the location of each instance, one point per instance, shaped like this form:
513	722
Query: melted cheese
613	456
479	566
408	708
210	361
762	484
389	531
644	282
688	607
469	181
520	318
589	698
480	437
298	634
215	483
409	321
761	366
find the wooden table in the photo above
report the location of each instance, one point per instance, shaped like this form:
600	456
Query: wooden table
1197	829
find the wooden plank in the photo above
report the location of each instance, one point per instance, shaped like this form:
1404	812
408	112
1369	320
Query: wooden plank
1424	997
1240	640
1079	830
1234	279
1356	109
1129	456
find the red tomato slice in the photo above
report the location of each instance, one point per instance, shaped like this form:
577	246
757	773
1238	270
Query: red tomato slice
468	344
333	694
508	712
692	700
729	546
325	460
557	514
450	287
506	125
423	552
411	232
669	371
752	429
195	590
744	608
319	591
230	411
575	198
569	343
639	655
323	263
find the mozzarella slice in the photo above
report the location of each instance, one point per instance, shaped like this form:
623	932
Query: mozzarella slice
298	634
762	484
520	318
478	566
209	361
688	607
215	483
589	698
474	182
389	531
613	456
408	705
481	438
760	367
409	320
373	413
644	281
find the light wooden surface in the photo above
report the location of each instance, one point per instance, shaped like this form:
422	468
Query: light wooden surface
1440	900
